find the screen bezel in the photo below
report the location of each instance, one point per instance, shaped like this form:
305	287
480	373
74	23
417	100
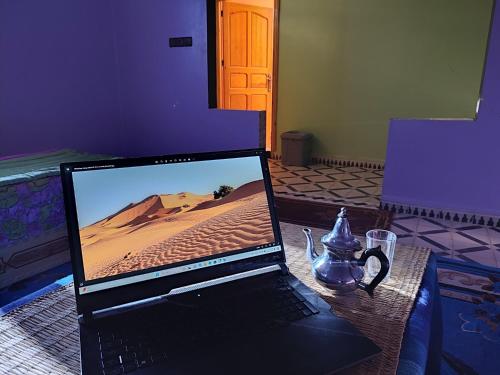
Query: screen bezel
98	300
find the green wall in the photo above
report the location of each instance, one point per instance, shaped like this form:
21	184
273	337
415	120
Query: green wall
347	66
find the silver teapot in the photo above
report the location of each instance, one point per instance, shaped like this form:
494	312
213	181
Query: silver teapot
337	268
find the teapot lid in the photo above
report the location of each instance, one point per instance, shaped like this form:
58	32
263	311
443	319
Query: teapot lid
341	237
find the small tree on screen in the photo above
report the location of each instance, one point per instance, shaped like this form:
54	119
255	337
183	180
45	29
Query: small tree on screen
223	191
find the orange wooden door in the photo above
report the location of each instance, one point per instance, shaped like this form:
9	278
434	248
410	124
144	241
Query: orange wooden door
248	59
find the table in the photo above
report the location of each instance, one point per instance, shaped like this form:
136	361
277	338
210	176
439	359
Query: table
41	335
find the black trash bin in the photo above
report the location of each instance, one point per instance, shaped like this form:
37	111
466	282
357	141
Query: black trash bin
296	148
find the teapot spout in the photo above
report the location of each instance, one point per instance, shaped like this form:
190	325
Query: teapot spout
311	251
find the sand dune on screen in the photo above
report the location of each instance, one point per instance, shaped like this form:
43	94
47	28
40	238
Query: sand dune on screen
164	229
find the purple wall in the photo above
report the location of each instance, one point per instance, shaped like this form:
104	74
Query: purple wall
164	91
99	76
57	77
450	164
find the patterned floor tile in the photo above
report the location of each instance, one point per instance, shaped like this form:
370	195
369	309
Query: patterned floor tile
333	185
276	168
307	173
359	183
321	195
463	243
408	223
441	241
377	180
453	224
444	238
424	244
294	168
283	174
401	232
317	167
367	174
318	178
353	169
480	233
406	240
494	236
292	181
372	190
429	225
330	170
307	188
485	256
342	176
418	242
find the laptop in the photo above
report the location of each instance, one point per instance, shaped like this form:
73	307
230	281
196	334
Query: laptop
179	268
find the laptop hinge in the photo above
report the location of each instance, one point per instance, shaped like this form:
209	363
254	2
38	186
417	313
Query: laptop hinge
276	268
284	269
86	317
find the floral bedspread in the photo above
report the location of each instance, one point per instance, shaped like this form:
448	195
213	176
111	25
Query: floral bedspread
29	209
32	219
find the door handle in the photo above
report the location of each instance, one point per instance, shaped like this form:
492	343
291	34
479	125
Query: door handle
269	82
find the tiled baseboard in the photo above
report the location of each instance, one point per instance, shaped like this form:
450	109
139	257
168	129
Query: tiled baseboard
341	162
455	216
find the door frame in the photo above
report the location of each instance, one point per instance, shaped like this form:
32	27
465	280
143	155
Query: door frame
220	77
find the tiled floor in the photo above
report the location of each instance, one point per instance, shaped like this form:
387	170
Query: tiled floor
355	186
461	241
350	185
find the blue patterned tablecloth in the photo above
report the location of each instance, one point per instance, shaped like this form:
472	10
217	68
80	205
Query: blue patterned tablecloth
422	341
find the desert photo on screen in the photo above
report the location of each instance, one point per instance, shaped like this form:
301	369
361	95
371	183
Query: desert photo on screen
133	219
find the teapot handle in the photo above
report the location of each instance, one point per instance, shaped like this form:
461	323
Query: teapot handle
384	268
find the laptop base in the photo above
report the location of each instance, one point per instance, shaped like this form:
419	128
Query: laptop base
227	329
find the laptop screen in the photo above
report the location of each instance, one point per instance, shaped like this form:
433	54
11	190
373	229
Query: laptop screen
138	223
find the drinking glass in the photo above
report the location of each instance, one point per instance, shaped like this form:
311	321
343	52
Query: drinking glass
387	241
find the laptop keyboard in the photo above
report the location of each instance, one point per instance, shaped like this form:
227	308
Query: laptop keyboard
162	334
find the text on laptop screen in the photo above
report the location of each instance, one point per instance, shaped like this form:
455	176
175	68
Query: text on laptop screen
137	218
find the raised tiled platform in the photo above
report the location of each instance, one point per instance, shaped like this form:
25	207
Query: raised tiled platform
470	241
